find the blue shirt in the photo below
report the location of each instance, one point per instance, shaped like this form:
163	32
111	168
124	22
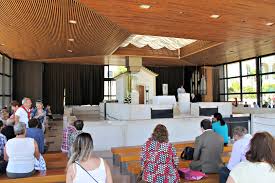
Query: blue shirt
38	135
221	130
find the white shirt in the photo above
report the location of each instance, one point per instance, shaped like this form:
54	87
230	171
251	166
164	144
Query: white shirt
247	172
23	116
21	155
99	174
240	147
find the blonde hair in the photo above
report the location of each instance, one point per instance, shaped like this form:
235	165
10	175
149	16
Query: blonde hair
82	148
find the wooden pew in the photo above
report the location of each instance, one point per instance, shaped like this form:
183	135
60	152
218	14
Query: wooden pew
134	169
50	176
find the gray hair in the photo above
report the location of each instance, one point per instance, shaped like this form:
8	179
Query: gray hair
19	128
240	131
25	99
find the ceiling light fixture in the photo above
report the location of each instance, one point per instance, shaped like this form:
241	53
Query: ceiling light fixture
70	51
2	44
71	39
269	23
72	21
145	6
215	16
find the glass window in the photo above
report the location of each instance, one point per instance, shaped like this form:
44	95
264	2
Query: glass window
113	87
223	98
249	84
231	98
222	86
249	67
233	70
7	87
7	101
267	64
1	102
221	71
106	71
250	98
234	85
268	83
7	66
1	85
106	87
1	63
268	100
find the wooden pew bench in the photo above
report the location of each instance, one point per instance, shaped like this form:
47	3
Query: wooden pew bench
51	176
134	169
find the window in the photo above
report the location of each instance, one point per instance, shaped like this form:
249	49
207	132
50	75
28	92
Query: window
249	81
110	72
5	80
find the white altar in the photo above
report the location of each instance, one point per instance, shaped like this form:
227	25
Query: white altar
164	100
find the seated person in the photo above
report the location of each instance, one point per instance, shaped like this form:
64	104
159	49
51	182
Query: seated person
84	166
36	133
159	158
220	127
240	147
3	141
260	164
8	130
20	152
208	150
65	139
49	112
78	124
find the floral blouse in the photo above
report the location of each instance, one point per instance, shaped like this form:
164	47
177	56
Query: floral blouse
159	161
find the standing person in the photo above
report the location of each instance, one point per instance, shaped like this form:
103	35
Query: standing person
84	166
23	113
240	147
159	159
208	150
40	114
3	141
14	107
65	138
20	152
78	124
220	127
36	133
260	164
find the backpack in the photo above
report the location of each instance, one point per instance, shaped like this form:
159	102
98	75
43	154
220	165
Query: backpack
187	154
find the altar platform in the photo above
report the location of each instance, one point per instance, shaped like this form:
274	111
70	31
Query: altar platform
115	133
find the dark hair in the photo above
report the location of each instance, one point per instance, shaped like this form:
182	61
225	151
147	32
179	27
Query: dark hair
262	148
78	124
14	103
1	123
218	116
206	124
33	123
160	133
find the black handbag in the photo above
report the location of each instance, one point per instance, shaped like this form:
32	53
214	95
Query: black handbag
187	154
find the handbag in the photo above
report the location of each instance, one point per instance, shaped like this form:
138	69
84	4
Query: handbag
187	154
40	164
189	174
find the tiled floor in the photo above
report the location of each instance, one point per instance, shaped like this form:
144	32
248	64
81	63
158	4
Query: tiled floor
54	137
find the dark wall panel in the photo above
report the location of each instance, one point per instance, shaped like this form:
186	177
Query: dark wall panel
173	76
27	80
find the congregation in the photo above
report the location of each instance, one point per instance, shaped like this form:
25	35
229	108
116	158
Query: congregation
22	145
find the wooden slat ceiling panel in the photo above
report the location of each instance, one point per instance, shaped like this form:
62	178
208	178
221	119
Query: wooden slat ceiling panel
40	29
191	19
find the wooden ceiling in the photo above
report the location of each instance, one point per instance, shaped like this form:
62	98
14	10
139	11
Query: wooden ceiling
38	30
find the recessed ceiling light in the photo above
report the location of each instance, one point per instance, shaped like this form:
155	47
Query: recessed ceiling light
71	39
2	44
181	12
70	51
72	21
269	23
145	6
215	16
